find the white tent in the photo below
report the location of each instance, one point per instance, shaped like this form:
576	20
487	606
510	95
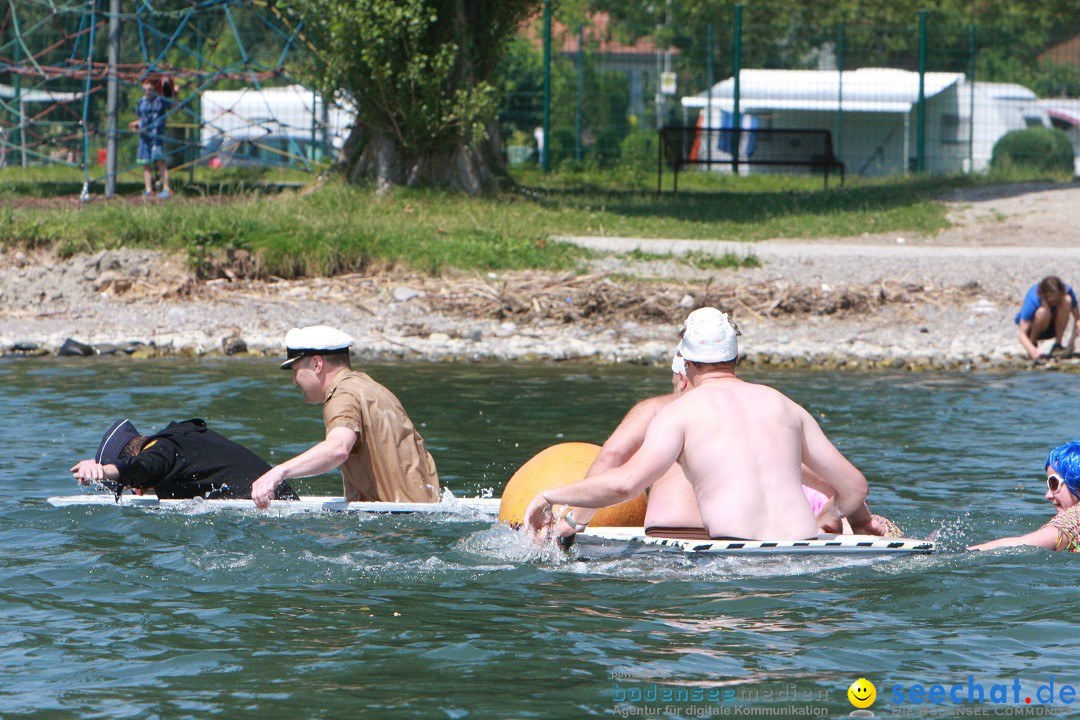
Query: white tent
872	112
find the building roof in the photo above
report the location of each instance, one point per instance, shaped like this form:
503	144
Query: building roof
599	38
887	90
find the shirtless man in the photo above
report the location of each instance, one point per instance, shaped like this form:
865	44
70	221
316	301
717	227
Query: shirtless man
672	509
671	506
741	446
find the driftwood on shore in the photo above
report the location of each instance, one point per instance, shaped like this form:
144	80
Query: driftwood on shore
531	296
569	298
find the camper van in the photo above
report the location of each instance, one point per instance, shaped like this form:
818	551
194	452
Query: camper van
985	112
259	147
1065	116
284	126
872	114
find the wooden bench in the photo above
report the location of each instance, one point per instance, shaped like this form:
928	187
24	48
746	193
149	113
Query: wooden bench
682	146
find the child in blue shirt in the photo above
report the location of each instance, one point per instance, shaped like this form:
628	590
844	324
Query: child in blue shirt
1047	309
151	111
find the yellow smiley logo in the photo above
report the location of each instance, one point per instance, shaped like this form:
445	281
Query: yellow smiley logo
862	693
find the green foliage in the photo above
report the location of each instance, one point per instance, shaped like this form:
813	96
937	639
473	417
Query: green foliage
1036	148
639	150
1050	80
416	70
604	98
520	82
563	144
1010	35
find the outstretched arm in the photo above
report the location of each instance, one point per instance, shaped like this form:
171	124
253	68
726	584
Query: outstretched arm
659	451
139	472
1071	346
1045	537
325	456
90	471
1022	331
620	447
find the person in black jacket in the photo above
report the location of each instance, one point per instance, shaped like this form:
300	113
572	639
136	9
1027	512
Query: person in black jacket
185	460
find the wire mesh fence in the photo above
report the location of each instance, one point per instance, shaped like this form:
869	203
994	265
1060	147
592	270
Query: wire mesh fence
933	94
221	67
922	96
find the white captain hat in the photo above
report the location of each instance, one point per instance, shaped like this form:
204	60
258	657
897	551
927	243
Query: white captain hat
315	340
709	336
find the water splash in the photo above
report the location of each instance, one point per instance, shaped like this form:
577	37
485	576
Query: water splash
502	543
951	535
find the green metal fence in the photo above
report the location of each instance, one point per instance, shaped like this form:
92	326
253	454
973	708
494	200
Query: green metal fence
933	94
72	71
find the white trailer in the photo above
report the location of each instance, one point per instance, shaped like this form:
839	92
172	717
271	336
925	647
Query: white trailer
294	112
1065	115
985	112
872	114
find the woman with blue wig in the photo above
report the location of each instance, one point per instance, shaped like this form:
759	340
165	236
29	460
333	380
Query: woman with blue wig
1063	490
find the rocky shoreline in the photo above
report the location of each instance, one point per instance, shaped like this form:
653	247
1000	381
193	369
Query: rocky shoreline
107	304
874	302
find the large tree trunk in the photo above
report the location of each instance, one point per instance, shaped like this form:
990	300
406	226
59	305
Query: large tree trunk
377	157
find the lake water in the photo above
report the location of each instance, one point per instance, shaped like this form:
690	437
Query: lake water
108	612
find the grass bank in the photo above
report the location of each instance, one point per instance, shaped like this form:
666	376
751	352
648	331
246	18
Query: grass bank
337	228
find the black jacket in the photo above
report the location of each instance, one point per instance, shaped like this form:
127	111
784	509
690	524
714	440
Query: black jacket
187	460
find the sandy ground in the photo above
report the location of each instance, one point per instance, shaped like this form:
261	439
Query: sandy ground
882	300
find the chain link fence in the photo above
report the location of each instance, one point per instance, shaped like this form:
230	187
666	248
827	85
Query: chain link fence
933	94
222	67
924	96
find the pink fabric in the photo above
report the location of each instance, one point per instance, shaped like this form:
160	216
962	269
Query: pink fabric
817	499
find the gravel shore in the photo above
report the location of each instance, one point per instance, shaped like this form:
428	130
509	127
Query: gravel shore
946	301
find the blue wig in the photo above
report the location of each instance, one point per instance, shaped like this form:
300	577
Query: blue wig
1066	460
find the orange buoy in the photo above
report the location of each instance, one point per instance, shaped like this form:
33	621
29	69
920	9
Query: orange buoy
558	465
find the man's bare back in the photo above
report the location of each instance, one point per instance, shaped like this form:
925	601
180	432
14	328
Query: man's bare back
742	453
741	446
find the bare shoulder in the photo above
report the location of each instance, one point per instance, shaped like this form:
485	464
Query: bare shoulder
763	397
649	407
757	391
768	391
654	404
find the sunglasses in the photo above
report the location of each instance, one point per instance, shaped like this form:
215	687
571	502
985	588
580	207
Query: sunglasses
1054	483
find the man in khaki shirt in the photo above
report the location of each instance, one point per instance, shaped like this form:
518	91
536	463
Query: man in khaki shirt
368	434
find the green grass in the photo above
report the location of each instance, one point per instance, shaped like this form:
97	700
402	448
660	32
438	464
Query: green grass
340	228
729	260
701	260
60	180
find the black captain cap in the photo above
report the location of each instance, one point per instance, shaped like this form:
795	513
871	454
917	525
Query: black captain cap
114	440
314	340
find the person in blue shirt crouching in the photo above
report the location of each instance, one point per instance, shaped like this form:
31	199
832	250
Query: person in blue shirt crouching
1048	308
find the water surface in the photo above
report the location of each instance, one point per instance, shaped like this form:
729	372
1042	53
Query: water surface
115	613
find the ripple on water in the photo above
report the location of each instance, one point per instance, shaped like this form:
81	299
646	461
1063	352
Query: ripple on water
120	612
